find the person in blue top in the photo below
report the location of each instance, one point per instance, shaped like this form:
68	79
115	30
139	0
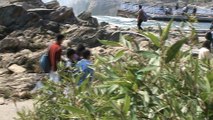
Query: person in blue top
84	66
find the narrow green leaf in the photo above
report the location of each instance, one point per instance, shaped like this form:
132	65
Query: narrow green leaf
210	76
160	29
122	40
110	43
173	50
166	30
153	38
118	55
75	110
127	104
148	68
132	40
148	54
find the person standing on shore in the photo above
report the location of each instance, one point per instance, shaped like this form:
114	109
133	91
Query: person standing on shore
55	57
141	17
194	11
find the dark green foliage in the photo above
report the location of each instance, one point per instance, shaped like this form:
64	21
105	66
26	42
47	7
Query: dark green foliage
167	84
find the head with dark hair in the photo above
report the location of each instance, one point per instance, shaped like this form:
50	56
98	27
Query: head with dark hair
207	44
208	36
70	53
80	48
140	6
60	38
86	54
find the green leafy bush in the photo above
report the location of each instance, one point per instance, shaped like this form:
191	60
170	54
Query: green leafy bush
134	85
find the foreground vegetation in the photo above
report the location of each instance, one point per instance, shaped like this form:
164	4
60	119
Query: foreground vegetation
162	83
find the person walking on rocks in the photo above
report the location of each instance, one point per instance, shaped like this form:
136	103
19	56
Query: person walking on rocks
55	57
141	17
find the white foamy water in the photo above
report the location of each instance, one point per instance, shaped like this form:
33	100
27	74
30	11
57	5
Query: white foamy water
132	22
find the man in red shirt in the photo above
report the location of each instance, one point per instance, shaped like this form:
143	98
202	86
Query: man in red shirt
55	57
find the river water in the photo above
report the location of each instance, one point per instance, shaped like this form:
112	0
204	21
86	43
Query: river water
81	5
132	22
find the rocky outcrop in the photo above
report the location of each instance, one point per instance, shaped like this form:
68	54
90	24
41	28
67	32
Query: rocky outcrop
54	4
26	4
15	17
63	15
90	21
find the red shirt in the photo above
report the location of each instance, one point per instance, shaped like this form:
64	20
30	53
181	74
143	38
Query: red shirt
54	55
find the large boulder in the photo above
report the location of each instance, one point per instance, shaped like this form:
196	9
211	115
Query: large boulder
87	16
13	44
64	15
3	32
52	4
27	4
16	17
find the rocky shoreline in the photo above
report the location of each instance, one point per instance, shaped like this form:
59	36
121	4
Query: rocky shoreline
25	33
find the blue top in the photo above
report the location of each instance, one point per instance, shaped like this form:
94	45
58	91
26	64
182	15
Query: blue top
83	65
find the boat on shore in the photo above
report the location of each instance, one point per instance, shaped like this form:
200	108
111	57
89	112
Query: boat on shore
157	12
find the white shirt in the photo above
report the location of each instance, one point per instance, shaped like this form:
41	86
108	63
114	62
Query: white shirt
204	53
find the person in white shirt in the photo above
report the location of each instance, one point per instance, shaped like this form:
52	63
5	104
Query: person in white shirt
83	66
205	51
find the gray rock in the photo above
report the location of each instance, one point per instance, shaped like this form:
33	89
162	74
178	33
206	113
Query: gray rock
3	71
54	4
3	32
63	14
27	4
16	68
43	12
16	17
87	16
13	44
51	25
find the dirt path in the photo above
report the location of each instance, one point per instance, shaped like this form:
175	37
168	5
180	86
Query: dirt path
8	111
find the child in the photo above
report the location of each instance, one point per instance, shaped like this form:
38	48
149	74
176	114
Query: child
83	66
71	58
79	51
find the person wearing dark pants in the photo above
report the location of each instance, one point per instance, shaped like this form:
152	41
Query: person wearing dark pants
141	17
139	24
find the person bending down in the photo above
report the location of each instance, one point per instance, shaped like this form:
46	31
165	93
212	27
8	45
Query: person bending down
83	66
